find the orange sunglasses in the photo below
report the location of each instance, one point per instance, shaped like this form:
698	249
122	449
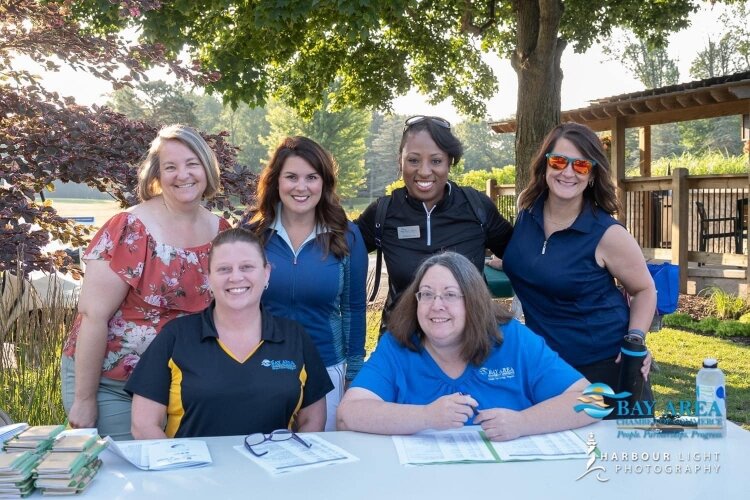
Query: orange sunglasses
559	162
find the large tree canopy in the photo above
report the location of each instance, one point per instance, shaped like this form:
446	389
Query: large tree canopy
295	49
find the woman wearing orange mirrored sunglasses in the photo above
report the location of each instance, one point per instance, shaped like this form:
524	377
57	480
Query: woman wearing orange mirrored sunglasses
567	251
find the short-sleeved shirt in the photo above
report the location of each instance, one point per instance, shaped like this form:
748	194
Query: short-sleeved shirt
164	282
209	392
519	373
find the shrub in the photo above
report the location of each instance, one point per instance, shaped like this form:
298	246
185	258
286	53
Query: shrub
712	162
478	178
710	325
679	320
707	325
733	328
745	318
724	304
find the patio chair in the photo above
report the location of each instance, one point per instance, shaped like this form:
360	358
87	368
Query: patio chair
708	224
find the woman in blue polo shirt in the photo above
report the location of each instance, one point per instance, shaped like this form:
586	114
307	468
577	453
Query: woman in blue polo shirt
567	251
233	368
452	357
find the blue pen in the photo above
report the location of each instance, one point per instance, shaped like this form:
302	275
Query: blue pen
472	407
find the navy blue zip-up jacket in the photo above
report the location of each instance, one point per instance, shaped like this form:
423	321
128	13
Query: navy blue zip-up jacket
326	296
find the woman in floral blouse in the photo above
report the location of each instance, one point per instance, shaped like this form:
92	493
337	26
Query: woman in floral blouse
144	267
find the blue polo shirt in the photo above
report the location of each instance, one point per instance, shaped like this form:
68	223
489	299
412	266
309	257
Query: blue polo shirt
519	373
209	392
567	297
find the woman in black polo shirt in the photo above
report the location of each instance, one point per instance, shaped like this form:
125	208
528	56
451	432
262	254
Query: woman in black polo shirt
231	369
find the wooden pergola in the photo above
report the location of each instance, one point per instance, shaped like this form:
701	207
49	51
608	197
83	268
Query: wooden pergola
709	98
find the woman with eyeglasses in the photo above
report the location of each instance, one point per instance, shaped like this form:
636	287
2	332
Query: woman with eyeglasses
430	214
453	357
233	368
567	251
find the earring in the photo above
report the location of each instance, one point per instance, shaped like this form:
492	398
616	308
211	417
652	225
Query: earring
266	287
591	182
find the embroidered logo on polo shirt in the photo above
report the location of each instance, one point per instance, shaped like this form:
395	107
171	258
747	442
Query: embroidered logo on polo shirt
282	364
497	373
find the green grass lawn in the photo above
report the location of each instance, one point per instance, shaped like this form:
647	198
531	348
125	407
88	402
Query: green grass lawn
679	356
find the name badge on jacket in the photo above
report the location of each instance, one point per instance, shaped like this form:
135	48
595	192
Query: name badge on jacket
408	232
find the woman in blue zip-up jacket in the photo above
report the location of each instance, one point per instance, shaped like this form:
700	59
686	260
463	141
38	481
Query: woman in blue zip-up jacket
318	258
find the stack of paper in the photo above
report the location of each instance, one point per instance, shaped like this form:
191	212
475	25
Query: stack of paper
73	442
16	473
10	430
162	454
69	472
37	438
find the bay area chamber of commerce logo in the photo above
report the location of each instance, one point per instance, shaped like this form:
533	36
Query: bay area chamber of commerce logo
681	419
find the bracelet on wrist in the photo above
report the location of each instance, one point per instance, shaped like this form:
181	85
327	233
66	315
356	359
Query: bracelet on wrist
636	331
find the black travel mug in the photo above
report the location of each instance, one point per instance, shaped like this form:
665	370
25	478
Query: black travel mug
633	351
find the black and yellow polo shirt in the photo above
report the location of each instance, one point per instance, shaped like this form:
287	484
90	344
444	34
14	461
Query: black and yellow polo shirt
208	392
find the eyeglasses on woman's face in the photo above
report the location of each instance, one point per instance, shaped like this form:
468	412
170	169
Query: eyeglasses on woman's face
428	297
277	435
440	122
581	166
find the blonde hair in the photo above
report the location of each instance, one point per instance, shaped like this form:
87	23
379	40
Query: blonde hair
148	171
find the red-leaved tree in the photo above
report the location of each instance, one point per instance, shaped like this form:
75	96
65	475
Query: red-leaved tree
46	137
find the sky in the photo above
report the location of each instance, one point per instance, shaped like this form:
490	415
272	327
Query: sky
586	77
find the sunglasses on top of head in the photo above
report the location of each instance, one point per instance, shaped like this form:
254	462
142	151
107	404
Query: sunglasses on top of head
580	165
440	122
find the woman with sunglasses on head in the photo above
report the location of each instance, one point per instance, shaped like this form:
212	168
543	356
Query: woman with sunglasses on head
566	252
318	257
452	357
430	214
233	368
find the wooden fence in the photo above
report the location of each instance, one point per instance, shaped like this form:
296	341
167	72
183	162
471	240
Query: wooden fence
662	214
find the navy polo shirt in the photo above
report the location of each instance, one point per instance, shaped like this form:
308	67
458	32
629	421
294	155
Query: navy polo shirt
208	392
567	297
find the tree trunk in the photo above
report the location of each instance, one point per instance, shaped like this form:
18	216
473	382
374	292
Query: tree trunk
537	65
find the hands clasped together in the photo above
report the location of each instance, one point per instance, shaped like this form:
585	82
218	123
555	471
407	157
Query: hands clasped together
455	410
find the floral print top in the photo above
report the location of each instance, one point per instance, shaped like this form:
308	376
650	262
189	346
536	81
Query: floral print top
164	282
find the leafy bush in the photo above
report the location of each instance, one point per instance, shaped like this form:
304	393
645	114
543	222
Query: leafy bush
394	185
679	320
712	162
733	328
710	325
745	318
478	178
707	325
724	304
